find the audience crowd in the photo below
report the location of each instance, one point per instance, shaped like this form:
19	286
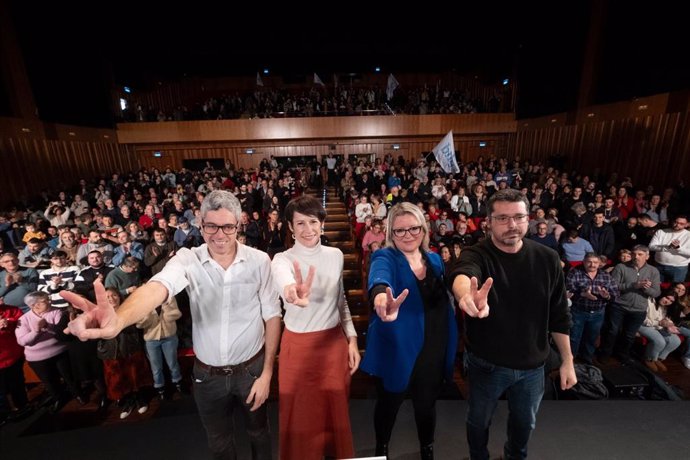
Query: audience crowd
625	248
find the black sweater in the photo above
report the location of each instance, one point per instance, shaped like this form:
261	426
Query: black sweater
526	301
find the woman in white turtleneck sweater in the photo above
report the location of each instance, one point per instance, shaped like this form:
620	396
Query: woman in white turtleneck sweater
318	351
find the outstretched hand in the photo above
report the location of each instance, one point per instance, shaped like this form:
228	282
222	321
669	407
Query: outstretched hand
298	293
475	303
98	321
387	306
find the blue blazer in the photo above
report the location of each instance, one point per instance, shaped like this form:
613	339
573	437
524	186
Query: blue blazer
393	347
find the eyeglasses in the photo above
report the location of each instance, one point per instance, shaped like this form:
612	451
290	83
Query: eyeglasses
518	218
413	231
212	229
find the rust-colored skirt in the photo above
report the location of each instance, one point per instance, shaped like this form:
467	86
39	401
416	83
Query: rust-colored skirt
314	388
126	374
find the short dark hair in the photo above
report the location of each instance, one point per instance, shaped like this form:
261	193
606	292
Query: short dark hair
307	205
507	195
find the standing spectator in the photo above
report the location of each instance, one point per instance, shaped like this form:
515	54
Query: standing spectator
126	369
592	290
15	282
125	278
672	251
59	277
160	338
96	270
39	333
637	282
11	365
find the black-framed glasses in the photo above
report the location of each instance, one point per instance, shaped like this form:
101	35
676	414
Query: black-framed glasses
518	218
413	231
212	229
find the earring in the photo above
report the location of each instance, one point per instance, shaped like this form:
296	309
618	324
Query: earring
294	237
323	230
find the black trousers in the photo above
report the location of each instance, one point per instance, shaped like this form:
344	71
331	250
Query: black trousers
51	370
424	389
12	383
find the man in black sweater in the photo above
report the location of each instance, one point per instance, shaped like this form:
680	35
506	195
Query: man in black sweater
523	283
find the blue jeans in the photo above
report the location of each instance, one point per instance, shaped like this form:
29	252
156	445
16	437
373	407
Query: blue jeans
672	274
217	396
166	348
524	390
585	330
620	320
660	343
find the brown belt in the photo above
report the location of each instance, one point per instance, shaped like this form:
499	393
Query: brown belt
229	369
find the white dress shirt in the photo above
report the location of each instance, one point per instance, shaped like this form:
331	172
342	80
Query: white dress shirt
228	307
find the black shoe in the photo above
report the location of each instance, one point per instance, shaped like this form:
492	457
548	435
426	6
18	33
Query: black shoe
54	406
180	388
161	393
82	400
427	452
103	402
381	449
20	414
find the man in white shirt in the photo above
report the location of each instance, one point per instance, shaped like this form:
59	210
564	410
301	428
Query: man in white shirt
672	247
235	323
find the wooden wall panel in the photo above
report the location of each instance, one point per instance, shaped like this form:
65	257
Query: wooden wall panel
313	128
652	149
30	165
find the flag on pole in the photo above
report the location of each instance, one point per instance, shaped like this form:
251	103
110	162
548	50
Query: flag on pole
392	84
317	80
259	81
445	154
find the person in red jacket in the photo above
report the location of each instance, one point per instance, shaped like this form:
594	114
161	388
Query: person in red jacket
11	365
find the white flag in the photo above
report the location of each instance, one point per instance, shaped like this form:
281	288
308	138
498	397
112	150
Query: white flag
259	81
317	80
392	84
445	154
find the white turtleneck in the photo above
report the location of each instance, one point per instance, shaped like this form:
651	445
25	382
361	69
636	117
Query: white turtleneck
327	304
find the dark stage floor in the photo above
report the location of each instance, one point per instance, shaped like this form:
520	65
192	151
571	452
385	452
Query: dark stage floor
625	430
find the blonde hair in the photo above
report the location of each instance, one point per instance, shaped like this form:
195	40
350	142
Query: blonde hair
401	209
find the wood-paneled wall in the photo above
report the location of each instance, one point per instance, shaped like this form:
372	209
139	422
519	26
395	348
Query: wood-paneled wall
30	165
642	139
467	146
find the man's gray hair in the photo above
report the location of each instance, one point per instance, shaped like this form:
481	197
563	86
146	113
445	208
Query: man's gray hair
640	247
221	199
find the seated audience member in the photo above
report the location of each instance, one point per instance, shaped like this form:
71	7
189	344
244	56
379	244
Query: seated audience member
159	251
15	282
679	313
126	370
125	278
69	245
661	333
160	340
108	229
544	237
11	366
32	232
375	233
127	248
574	248
40	333
187	236
36	255
137	233
97	243
592	290
672	251
59	277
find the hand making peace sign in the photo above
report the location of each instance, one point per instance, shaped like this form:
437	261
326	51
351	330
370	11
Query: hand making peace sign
298	293
387	306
